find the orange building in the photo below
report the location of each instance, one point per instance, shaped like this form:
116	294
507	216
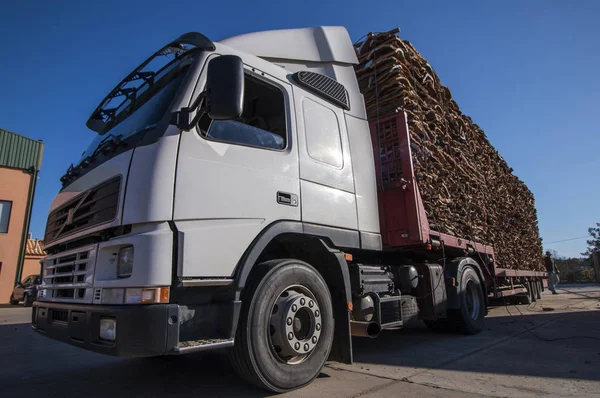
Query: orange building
20	161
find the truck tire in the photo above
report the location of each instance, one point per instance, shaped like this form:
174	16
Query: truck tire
534	292
12	300
285	330
527	297
469	318
539	289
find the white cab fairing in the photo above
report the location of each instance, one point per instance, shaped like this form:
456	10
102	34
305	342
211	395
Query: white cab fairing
151	181
364	173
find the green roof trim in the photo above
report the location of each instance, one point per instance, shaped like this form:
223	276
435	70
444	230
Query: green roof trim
20	152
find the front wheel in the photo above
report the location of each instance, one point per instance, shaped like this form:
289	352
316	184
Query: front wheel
12	300
286	326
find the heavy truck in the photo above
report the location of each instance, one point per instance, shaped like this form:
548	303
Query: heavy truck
236	196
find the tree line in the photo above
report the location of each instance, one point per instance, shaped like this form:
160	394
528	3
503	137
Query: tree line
580	269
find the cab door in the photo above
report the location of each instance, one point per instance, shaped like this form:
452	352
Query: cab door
236	177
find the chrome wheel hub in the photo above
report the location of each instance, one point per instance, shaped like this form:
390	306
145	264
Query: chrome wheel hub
295	324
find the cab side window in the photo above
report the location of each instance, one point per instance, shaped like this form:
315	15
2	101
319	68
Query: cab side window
261	125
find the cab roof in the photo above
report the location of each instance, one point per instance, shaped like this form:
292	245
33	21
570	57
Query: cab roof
326	44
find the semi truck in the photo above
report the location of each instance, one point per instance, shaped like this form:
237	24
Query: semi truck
236	196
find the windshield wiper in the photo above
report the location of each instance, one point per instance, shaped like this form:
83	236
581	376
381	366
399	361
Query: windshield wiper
109	144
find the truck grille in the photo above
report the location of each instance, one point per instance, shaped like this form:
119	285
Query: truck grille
59	315
95	206
69	276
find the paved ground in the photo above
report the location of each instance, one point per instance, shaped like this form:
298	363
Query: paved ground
548	349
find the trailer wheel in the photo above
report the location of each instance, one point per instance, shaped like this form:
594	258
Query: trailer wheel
468	319
525	298
534	291
285	331
539	288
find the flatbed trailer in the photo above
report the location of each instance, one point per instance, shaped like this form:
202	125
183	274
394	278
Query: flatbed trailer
404	223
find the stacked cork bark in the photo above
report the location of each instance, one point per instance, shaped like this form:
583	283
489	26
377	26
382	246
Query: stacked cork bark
467	188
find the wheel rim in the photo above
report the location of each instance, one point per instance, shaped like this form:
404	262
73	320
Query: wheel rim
295	325
472	299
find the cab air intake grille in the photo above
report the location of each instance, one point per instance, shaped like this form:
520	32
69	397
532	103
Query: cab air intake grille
92	207
325	87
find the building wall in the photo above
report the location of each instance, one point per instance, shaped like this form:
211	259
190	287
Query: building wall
31	266
14	186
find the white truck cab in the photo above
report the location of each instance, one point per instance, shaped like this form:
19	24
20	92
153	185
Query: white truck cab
227	190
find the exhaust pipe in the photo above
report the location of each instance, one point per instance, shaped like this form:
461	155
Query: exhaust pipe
364	329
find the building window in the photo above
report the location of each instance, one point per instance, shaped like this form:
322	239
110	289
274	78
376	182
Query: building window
5	207
262	124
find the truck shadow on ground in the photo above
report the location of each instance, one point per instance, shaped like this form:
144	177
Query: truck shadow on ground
51	369
544	345
556	345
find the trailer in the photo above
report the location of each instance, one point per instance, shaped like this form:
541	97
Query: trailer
404	224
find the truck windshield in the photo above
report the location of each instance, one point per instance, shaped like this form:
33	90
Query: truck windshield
134	108
143	119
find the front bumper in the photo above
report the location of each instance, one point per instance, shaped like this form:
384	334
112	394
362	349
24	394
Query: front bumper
141	331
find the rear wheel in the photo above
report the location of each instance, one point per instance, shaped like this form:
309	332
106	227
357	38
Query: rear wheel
286	326
539	289
12	300
469	318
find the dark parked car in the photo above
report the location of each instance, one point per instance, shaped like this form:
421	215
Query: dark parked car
26	291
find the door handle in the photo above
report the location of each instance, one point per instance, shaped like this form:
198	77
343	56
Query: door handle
288	199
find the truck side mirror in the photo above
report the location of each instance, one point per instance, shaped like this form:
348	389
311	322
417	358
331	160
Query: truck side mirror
225	87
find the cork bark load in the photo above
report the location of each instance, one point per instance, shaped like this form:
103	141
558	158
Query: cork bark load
467	188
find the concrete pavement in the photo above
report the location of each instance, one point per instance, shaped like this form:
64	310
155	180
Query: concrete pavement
551	348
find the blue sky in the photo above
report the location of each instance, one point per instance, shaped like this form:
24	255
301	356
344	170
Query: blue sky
527	72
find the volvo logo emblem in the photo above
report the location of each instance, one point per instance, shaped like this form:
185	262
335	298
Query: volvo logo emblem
71	213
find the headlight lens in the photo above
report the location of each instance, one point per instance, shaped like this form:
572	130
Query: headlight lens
108	329
125	262
135	295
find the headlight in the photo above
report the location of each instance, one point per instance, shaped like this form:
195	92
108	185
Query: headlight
135	295
125	262
108	329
